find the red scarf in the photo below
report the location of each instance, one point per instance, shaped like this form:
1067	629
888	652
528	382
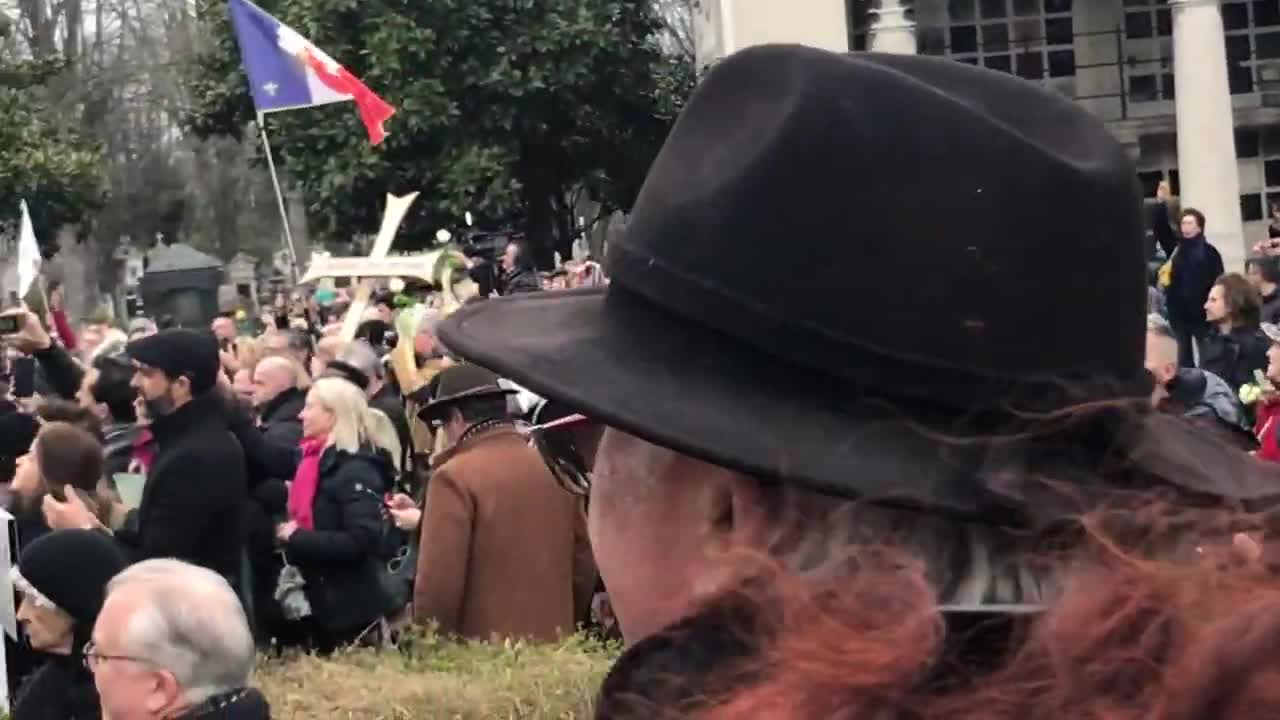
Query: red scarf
306	479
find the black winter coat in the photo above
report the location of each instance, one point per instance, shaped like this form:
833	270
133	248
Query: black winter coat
388	400
279	418
340	559
1235	356
61	689
193	503
1197	265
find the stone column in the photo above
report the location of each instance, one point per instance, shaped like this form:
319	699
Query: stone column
891	30
1206	140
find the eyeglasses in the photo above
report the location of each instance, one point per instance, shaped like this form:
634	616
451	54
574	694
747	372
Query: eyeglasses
560	449
93	658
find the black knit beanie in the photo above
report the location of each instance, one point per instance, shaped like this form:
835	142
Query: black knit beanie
72	568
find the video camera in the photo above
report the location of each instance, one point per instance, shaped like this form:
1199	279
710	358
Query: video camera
487	246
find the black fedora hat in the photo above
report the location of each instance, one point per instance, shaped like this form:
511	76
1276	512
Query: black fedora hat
463	381
972	236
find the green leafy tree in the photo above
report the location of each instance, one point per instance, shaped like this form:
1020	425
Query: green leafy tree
46	160
510	110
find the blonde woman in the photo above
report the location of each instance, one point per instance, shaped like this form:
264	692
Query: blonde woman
336	515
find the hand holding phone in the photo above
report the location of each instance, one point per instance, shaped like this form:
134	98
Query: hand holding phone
23	376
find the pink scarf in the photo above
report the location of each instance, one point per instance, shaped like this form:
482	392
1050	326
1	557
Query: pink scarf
306	479
144	451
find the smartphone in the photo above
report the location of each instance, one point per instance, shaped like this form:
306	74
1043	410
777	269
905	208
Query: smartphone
23	376
10	324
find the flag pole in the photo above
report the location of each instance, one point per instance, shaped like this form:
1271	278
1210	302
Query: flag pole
275	182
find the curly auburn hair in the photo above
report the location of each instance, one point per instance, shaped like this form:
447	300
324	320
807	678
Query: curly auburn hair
1243	301
1148	608
1128	639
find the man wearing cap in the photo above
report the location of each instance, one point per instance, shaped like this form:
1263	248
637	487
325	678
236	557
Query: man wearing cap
501	544
774	430
196	488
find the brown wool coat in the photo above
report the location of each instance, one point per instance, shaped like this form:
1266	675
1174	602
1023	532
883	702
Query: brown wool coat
503	550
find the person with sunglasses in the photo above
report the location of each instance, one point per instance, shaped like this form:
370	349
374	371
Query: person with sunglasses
502	551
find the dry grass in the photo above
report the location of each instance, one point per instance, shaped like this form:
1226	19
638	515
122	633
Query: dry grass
428	677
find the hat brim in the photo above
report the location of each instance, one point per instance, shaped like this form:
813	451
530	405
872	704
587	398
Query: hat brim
624	362
465	395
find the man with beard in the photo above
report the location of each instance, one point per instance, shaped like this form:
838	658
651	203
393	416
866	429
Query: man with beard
196	488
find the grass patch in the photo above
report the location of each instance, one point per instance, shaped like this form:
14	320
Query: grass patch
430	677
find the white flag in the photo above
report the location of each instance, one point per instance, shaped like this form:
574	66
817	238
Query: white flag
28	254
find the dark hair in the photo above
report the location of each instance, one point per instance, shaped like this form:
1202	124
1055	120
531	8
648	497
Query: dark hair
1243	301
1268	267
112	387
64	411
1199	216
299	340
71	460
69	455
479	409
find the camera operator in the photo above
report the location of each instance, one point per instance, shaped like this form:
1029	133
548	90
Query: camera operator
515	271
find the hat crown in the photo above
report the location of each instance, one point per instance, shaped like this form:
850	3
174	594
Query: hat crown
465	379
852	213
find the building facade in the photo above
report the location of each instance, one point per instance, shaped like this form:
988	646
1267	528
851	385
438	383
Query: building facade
1191	87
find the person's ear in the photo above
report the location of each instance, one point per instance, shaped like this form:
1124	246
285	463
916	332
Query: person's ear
165	694
732	511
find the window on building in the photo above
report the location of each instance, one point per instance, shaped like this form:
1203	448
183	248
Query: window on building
1148	51
1248	143
1147	19
1251	207
1150	86
1260	145
1033	39
1252	30
859	23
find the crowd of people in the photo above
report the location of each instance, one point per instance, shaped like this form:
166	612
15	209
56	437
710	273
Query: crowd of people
281	464
988	498
1213	337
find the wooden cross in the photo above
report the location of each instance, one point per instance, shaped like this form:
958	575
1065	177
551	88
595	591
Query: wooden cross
397	208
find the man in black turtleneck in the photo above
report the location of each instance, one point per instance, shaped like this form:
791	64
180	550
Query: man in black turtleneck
196	487
1197	265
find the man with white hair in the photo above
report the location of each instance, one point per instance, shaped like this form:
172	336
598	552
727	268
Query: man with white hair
382	395
1201	396
172	641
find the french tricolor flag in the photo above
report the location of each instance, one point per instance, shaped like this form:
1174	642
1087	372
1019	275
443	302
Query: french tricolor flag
287	72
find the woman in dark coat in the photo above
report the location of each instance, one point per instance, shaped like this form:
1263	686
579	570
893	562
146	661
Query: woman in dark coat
62	579
336	503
